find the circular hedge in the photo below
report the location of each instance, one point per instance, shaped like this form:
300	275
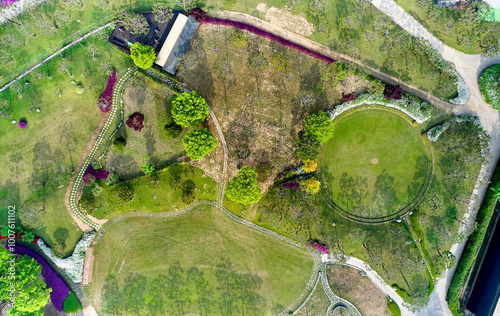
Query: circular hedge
489	84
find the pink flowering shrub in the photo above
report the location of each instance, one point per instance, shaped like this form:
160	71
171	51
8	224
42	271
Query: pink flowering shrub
97	174
106	98
318	246
22	124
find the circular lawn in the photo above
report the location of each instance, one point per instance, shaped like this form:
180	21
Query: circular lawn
375	167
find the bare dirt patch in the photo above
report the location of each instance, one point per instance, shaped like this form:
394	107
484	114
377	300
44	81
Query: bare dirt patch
286	20
349	284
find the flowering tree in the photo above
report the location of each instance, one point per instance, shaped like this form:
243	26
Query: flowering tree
22	124
198	143
143	55
105	100
393	92
135	121
243	188
318	246
189	109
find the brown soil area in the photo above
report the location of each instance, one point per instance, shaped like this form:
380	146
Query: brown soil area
262	110
349	284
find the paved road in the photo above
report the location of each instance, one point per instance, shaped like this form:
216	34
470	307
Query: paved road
469	67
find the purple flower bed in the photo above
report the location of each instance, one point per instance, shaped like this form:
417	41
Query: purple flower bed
22	124
98	174
272	37
295	185
106	97
59	288
319	247
5	3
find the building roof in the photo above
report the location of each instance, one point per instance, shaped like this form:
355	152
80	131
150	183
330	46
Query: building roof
171	40
181	45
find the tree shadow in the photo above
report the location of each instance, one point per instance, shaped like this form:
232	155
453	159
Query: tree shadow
353	193
384	195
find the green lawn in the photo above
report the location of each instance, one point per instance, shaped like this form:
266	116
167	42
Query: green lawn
41	158
161	191
375	164
145	261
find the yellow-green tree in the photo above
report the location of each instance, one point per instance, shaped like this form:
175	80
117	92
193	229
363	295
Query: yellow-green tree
143	55
310	165
311	185
243	188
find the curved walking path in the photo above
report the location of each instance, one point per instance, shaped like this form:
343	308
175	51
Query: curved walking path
73	191
469	67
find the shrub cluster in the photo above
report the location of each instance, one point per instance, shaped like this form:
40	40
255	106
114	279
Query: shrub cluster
143	55
319	126
318	246
489	84
311	185
19	233
172	130
97	174
105	100
119	143
135	121
198	14
243	188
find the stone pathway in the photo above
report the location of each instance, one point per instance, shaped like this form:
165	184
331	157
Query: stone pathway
90	151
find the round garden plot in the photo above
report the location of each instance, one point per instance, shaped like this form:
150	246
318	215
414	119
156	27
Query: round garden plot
377	166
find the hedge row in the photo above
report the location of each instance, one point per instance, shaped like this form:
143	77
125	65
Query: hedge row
472	247
272	37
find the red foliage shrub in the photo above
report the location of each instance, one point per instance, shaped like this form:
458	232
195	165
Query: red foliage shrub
106	97
393	92
198	14
348	97
136	121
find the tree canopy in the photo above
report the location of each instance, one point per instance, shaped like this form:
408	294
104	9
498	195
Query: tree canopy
143	55
243	188
311	185
189	109
198	143
136	23
31	291
319	126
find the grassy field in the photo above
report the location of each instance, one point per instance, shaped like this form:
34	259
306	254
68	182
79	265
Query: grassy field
162	191
375	164
196	261
41	158
260	110
351	285
149	145
451	27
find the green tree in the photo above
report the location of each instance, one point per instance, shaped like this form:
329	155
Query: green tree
240	39
119	143
143	55
318	125
189	109
172	130
279	61
243	188
198	143
135	23
307	147
162	13
376	87
148	168
31	291
97	190
311	185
